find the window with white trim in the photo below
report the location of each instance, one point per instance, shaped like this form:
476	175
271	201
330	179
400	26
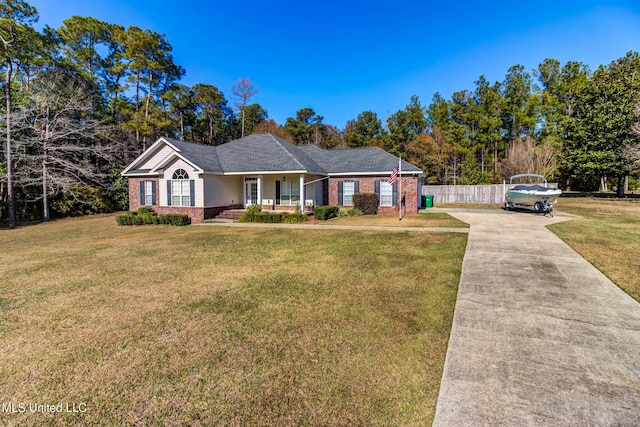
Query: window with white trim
148	193
386	193
349	188
180	188
290	192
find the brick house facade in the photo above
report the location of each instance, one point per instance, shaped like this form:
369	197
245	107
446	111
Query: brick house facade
196	214
200	181
367	184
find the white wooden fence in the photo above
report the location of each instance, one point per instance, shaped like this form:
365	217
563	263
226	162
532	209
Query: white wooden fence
493	193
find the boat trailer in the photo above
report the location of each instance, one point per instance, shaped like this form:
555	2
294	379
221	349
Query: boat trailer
536	197
544	206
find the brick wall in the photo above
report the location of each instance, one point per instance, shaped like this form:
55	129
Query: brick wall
134	192
196	214
367	185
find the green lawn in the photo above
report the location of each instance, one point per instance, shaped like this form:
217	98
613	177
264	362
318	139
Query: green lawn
608	236
224	326
427	219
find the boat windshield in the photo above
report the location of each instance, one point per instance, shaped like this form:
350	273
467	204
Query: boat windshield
530	187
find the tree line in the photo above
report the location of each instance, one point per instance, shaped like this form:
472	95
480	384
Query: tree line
561	121
83	100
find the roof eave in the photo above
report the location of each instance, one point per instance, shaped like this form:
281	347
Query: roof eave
135	174
170	158
144	155
373	173
278	172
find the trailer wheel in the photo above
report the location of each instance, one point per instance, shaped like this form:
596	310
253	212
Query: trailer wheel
538	207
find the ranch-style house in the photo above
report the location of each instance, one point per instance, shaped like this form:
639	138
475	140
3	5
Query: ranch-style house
202	181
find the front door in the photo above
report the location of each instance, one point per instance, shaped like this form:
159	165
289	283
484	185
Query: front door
250	192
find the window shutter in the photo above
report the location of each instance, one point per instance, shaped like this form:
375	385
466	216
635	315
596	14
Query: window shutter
376	185
192	192
141	193
168	192
153	193
340	191
394	202
356	187
325	192
277	192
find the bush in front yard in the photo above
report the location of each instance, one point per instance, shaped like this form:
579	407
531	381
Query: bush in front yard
270	218
130	218
349	212
174	219
146	215
367	203
250	213
254	214
295	218
325	212
145	210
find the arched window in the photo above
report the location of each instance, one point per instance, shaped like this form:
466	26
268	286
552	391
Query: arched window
180	174
181	189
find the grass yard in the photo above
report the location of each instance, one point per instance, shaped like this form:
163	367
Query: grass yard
470	205
428	219
608	236
224	326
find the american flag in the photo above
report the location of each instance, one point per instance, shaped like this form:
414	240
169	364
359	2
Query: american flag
394	175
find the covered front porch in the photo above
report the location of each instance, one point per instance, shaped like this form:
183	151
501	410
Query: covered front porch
282	191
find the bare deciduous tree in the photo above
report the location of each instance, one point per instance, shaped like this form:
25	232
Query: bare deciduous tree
243	89
65	142
15	36
631	152
529	156
631	155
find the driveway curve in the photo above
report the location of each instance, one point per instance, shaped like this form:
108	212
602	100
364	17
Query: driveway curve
540	337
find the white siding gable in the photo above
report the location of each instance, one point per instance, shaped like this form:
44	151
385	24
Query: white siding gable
193	174
163	151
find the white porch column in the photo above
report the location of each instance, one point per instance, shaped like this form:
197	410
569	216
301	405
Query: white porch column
259	190
302	192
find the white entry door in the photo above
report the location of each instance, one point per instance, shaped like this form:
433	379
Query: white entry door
250	192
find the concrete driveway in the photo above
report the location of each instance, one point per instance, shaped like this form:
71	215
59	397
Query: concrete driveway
540	337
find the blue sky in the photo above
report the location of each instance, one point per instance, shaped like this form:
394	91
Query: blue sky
344	57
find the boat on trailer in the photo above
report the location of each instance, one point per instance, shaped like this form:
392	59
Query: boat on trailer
538	196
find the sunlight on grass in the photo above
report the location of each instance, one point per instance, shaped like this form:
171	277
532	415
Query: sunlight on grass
220	326
470	205
428	219
607	235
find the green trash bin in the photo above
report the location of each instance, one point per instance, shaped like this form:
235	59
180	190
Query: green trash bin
428	201
423	201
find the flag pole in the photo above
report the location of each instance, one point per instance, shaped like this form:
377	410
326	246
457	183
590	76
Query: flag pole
400	188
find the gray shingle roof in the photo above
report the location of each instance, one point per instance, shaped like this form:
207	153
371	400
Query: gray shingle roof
264	152
357	160
139	171
205	156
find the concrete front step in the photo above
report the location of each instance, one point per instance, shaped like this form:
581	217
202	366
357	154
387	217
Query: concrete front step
231	214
